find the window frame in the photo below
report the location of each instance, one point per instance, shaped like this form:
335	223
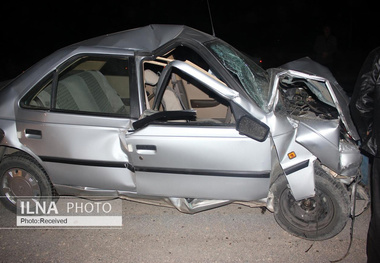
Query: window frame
185	76
52	78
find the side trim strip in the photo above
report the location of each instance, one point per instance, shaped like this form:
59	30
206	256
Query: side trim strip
244	174
84	162
297	167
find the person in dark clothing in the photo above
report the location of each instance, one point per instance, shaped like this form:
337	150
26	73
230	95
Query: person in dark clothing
365	112
325	47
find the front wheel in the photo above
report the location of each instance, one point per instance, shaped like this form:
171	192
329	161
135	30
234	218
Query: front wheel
316	218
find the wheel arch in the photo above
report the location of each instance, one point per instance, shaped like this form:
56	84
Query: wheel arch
6	151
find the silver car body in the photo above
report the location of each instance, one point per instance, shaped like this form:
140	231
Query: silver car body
214	164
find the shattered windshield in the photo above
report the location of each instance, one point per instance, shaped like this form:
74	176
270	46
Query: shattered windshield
253	78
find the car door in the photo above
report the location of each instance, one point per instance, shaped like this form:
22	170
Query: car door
73	119
173	155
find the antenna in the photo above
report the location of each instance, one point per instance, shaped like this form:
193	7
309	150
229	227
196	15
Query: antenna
212	24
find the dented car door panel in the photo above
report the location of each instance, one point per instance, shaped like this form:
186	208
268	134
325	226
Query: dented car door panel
202	162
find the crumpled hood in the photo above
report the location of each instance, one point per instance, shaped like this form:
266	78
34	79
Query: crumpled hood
306	65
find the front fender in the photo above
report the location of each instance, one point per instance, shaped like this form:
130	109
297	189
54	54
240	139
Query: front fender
297	164
321	138
301	181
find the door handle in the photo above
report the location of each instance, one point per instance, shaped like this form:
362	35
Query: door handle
146	149
204	103
33	134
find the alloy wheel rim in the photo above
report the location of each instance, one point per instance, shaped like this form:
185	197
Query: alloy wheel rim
19	183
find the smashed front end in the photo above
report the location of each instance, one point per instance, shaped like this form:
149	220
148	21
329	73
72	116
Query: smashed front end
317	106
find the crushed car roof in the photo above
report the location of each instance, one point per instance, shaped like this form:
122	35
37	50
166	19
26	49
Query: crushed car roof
147	38
144	39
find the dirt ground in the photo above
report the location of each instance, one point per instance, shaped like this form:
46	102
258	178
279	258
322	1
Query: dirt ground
232	233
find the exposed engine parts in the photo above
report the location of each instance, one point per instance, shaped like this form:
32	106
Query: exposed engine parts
299	101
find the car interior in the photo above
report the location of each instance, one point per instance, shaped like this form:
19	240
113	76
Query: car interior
183	92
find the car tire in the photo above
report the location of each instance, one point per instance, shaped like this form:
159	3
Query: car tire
317	218
22	176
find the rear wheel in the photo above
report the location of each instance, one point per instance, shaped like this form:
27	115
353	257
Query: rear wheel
317	218
21	176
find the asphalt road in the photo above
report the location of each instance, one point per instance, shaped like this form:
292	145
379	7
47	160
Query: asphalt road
233	233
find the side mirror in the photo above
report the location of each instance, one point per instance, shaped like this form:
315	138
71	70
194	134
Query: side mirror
253	128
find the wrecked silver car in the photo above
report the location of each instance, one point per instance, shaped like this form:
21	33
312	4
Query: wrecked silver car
166	112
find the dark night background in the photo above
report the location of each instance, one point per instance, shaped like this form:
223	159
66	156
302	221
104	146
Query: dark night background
276	31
